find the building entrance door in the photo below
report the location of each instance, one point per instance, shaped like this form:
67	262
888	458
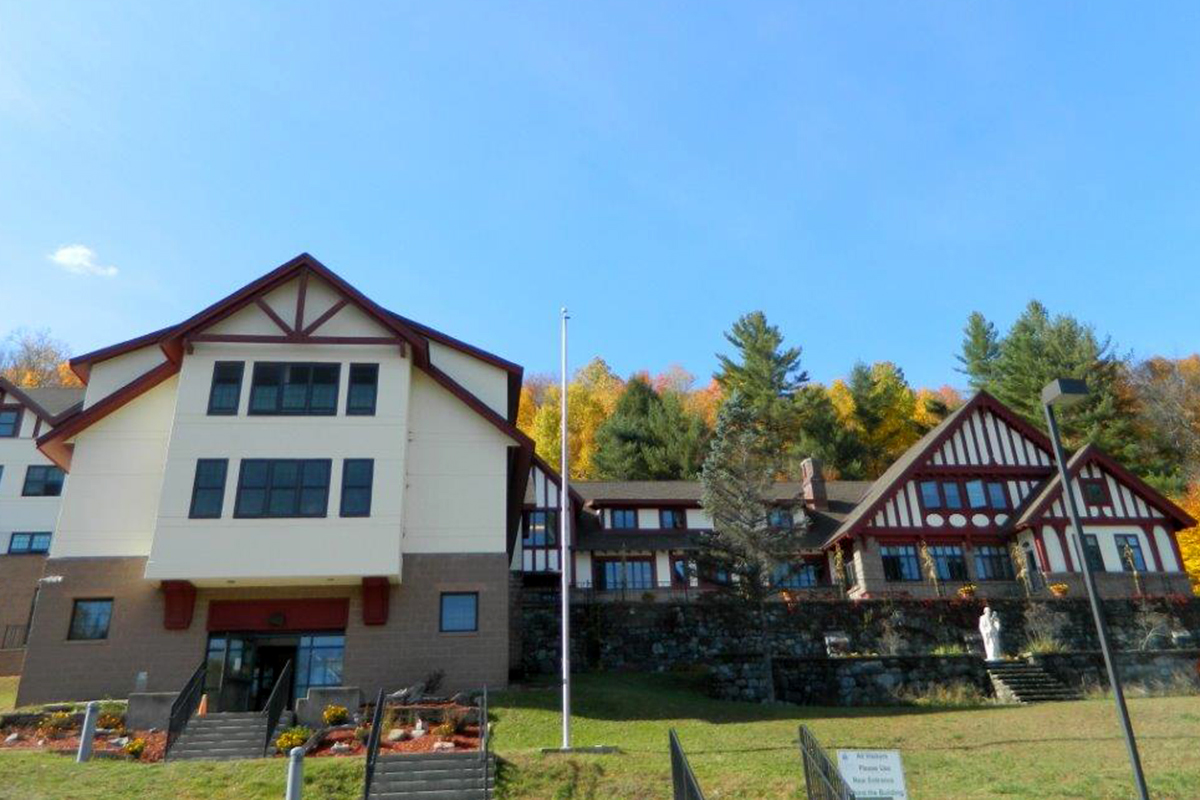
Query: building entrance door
243	667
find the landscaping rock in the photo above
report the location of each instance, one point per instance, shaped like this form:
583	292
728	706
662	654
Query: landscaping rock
397	735
418	733
341	747
12	737
120	741
437	746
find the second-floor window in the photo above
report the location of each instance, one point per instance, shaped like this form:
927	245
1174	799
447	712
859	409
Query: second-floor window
208	489
672	518
541	528
283	487
226	392
364	384
623	518
301	389
21	543
357	476
1095	492
1091	551
42	481
950	495
10	422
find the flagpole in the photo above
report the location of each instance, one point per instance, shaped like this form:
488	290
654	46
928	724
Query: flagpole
564	561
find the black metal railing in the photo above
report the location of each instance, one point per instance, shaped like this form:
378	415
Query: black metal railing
373	744
485	743
682	777
14	637
276	703
822	781
184	706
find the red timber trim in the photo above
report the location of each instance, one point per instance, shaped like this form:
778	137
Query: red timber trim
644	503
1158	562
306	614
375	595
7	387
994	471
301	295
327	315
1064	544
1091	454
1040	546
921	463
519	461
53	444
972	533
1178	553
179	603
270	312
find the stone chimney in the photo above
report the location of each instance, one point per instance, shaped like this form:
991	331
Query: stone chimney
815	498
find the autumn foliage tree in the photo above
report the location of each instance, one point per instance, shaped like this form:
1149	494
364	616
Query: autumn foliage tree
35	358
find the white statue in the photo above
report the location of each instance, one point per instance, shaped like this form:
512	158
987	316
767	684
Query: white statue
989	629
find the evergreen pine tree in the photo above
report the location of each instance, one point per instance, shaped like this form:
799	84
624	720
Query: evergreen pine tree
980	347
649	437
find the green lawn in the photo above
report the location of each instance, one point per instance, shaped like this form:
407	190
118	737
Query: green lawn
737	750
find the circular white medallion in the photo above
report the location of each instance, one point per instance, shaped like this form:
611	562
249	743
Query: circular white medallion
958	520
980	520
934	520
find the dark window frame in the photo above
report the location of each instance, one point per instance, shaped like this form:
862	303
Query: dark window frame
370	487
1093	553
612	519
549	526
239	511
284	368
44	470
197	488
442	612
1002	488
226	411
351	409
600	573
949	561
786	525
18	413
893	563
29	537
993	563
1085	484
75	614
676	513
936	505
1135	545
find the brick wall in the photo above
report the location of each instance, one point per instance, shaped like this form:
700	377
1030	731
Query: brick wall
18	581
399	653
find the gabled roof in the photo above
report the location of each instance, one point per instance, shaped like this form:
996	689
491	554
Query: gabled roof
47	402
172	340
916	456
1051	490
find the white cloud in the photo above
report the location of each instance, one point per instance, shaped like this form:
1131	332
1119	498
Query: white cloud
81	260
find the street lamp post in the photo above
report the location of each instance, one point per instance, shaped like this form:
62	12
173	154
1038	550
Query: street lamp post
1064	392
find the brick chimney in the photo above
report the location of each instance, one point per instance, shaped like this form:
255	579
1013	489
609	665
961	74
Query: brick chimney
815	498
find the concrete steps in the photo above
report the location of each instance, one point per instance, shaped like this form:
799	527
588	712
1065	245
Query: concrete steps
225	737
1020	682
433	776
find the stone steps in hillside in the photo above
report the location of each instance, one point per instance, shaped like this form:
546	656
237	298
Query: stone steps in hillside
225	737
433	776
1019	682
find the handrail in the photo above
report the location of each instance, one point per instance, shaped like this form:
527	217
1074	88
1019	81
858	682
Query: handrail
184	705
276	703
485	743
822	781
683	780
373	745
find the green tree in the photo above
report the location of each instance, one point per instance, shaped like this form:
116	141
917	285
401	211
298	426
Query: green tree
824	435
980	349
649	437
882	408
1037	349
736	483
767	375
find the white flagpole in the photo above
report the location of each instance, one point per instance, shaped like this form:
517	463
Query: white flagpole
564	561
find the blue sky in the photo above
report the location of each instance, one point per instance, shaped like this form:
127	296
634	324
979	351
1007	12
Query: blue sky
865	173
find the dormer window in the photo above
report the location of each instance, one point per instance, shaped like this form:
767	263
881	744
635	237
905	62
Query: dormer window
1095	492
301	389
623	518
675	518
780	518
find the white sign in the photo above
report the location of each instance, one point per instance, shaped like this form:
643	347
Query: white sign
873	773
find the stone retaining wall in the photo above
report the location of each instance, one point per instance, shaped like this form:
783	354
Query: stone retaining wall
1143	672
657	636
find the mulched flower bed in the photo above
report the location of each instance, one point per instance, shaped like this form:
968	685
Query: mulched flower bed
68	743
465	741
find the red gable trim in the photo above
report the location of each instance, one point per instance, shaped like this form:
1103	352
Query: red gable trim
8	387
308	614
53	444
921	462
1091	454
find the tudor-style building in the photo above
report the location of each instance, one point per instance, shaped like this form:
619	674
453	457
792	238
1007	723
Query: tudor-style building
979	491
31	487
292	474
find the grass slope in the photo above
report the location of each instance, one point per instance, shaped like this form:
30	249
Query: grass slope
738	750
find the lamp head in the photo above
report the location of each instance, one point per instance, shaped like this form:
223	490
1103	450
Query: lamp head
1063	392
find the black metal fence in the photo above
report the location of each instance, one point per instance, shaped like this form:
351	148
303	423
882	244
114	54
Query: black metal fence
485	744
822	781
184	706
276	703
373	744
682	777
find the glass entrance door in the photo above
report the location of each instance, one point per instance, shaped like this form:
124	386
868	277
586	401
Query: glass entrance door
243	667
